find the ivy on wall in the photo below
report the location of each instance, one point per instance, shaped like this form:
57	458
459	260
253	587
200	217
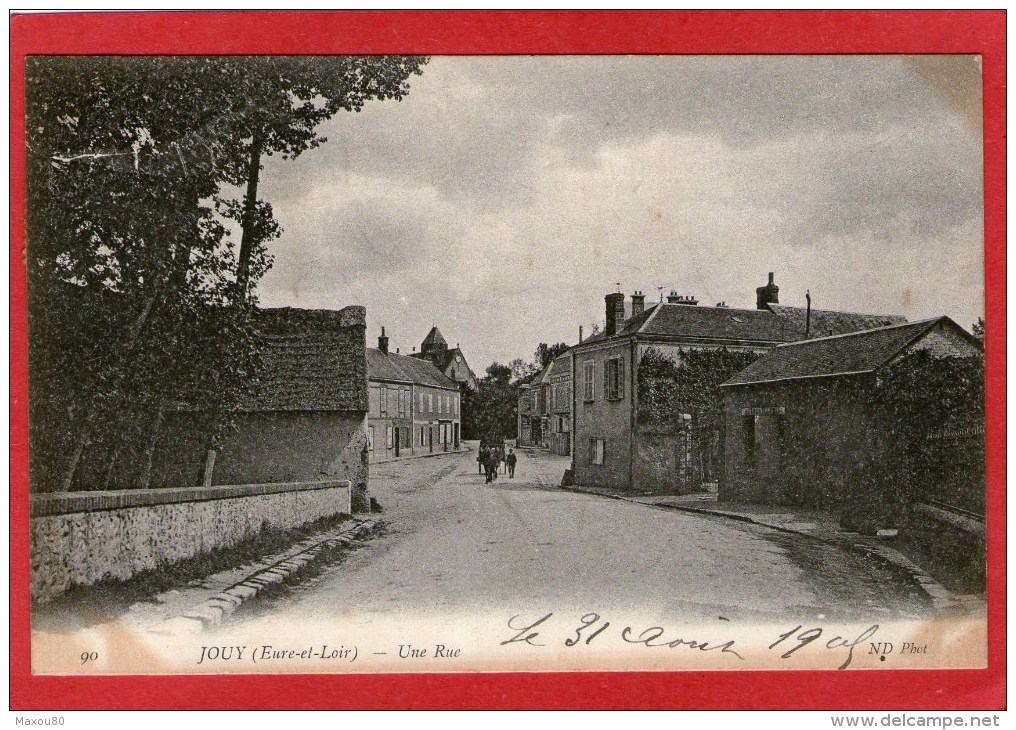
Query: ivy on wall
670	387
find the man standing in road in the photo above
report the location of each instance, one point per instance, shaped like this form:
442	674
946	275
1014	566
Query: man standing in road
510	461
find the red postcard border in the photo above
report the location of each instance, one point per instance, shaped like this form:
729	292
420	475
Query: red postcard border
523	32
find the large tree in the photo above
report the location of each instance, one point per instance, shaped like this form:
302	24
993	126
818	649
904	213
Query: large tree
138	297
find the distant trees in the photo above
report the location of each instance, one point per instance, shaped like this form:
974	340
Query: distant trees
491	411
138	297
546	354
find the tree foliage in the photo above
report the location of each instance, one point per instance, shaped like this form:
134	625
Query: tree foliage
978	329
688	384
931	409
491	411
546	354
137	301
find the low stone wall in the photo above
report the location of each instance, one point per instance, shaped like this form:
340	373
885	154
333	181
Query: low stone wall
951	547
82	538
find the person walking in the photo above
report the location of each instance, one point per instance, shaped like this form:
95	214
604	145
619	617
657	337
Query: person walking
510	462
490	465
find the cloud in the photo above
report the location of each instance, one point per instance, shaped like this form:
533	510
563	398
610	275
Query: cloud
505	196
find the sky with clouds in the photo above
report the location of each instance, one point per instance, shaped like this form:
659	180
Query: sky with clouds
505	196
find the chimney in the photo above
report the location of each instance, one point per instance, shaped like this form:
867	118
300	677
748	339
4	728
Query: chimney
768	294
615	313
675	298
807	319
382	342
638	303
580	333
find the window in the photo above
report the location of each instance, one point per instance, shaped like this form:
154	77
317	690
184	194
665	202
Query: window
390	436
596	448
404	437
370	438
430	402
613	379
403	397
590	369
749	438
384	401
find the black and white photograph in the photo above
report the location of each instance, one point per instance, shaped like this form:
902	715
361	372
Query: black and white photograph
377	363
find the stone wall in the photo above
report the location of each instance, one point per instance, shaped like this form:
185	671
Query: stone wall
299	446
82	538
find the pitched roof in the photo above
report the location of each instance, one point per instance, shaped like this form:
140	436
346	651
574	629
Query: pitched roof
434	339
716	323
425	373
708	323
560	365
381	366
850	354
825	322
776	324
311	360
405	369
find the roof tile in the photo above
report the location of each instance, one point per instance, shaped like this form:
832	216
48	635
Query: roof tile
858	352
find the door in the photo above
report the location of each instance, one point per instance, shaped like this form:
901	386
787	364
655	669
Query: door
398	433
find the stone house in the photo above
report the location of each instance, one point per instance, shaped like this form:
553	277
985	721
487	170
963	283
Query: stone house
801	426
620	440
883	427
296	454
414	408
545	408
302	420
532	415
559	404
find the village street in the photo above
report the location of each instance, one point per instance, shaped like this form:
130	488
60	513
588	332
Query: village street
525	546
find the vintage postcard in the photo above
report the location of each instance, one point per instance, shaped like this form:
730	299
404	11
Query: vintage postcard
362	363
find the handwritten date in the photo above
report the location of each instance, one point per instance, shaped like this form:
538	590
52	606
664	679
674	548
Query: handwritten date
591	626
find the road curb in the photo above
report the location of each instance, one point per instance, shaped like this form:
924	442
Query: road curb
941	599
212	611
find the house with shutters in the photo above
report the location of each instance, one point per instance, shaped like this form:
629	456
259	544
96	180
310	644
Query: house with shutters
545	408
645	400
414	409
